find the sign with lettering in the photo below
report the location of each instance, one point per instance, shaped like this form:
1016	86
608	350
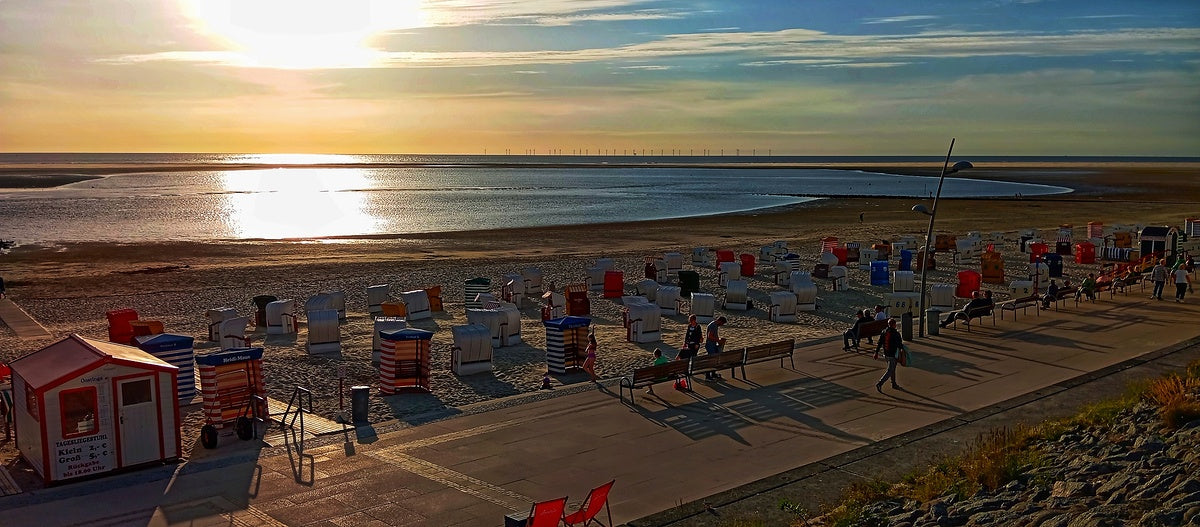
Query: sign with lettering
81	456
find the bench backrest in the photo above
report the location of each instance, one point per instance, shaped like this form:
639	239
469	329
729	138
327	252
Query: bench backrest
725	359
872	328
770	351
661	371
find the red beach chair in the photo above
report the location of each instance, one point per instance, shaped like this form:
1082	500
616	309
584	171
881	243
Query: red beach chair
546	513
596	499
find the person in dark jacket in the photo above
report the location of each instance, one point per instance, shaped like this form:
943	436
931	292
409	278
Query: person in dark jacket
890	342
851	334
1051	295
692	339
978	302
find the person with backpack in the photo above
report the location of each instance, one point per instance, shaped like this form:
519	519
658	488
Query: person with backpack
890	342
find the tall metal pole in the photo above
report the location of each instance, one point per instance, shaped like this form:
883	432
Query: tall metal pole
929	239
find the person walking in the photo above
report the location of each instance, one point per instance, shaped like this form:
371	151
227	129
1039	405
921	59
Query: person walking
1183	283
890	342
589	362
1158	275
714	343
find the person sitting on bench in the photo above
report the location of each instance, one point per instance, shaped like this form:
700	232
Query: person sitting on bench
1087	287
1051	295
977	304
864	316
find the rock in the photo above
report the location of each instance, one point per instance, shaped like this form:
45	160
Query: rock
1070	489
1163	517
1192	513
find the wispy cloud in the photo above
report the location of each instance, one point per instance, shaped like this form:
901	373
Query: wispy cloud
784	45
898	19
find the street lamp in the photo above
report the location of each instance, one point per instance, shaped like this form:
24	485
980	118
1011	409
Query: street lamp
932	213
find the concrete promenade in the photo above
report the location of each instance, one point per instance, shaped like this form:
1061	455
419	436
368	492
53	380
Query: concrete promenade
671	449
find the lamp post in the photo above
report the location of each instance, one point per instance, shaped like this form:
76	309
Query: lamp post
946	169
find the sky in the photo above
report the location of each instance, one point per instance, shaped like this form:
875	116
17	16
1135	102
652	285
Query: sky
789	77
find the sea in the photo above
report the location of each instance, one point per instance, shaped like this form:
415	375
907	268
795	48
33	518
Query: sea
318	197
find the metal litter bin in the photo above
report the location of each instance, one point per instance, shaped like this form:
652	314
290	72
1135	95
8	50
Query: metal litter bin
933	319
359	399
906	324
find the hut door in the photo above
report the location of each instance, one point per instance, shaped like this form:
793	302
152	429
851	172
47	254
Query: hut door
137	418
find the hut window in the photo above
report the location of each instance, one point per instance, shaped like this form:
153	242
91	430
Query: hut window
78	408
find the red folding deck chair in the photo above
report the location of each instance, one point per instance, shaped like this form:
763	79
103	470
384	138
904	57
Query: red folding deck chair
596	499
547	513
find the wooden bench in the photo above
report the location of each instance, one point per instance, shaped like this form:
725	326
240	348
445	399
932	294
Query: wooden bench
870	329
1064	294
980	312
1024	303
716	362
783	349
651	375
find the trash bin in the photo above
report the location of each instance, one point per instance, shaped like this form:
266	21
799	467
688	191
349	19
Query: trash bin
359	398
906	326
933	318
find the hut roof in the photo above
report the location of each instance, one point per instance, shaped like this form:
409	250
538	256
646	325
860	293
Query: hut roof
74	355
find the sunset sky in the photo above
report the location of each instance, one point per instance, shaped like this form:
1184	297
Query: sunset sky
797	77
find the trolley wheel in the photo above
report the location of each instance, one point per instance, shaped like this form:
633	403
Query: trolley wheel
208	436
244	428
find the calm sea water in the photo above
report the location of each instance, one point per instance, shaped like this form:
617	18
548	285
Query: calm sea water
363	196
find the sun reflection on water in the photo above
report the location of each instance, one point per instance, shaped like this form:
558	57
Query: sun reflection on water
298	203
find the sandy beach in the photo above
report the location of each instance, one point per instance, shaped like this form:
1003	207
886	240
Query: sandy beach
69	288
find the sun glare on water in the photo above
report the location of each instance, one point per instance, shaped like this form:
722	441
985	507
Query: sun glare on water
303	34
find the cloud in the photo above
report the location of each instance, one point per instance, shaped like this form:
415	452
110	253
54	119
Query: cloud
896	19
785	45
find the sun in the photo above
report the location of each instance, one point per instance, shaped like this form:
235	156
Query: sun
303	34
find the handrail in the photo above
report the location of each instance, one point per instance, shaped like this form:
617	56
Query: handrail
297	401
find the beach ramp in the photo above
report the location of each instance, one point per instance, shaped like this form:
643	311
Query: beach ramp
21	323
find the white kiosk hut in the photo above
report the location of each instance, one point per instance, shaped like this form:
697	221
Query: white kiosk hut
566	340
416	304
281	317
324	335
783	307
376	296
215	318
503	323
381	325
668	298
178	351
88	407
472	351
736	295
704	305
643	320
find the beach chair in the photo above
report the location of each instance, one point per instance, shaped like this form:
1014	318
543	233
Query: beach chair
596	499
541	514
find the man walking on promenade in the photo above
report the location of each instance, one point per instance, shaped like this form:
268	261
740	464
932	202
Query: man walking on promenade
1158	275
890	342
